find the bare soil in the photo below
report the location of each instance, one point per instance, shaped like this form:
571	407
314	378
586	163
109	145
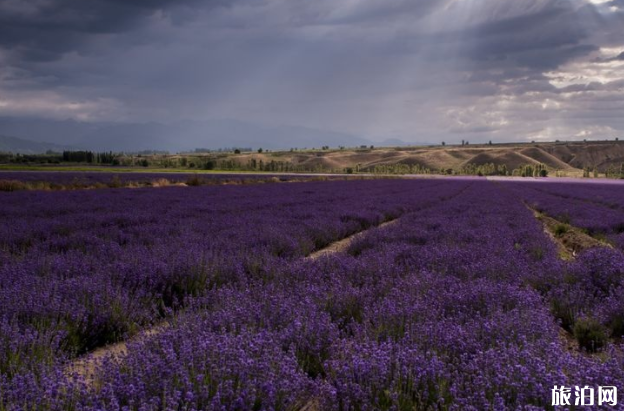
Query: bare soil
571	240
342	245
85	367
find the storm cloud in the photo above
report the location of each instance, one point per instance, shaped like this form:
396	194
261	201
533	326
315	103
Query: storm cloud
443	70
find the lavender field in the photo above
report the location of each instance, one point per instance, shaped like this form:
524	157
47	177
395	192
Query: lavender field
597	208
462	303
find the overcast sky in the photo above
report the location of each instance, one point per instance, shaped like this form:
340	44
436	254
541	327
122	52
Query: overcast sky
419	70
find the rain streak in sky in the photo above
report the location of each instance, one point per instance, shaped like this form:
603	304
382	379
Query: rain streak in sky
427	70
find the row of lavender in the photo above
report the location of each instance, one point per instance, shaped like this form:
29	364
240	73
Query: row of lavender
71	180
84	268
597	208
509	293
450	309
610	194
588	297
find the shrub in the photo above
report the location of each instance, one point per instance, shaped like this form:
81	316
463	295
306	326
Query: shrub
617	326
561	229
11	185
115	182
194	181
590	334
564	218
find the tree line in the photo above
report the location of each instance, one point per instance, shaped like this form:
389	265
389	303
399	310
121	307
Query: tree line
84	156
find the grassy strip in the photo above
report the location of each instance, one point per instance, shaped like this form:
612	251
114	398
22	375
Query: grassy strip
11	185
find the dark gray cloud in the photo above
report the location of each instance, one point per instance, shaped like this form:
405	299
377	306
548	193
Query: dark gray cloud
43	30
541	40
426	70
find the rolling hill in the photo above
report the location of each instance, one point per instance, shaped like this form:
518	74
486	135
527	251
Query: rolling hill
566	157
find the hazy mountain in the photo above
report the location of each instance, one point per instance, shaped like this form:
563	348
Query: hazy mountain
23	146
180	136
62	132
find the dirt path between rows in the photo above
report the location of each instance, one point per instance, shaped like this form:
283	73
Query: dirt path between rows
570	240
342	245
85	367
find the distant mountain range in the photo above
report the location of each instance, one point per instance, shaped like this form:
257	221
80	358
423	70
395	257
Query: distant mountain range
23	146
38	135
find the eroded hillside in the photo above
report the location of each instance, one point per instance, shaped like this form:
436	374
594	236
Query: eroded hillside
567	158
